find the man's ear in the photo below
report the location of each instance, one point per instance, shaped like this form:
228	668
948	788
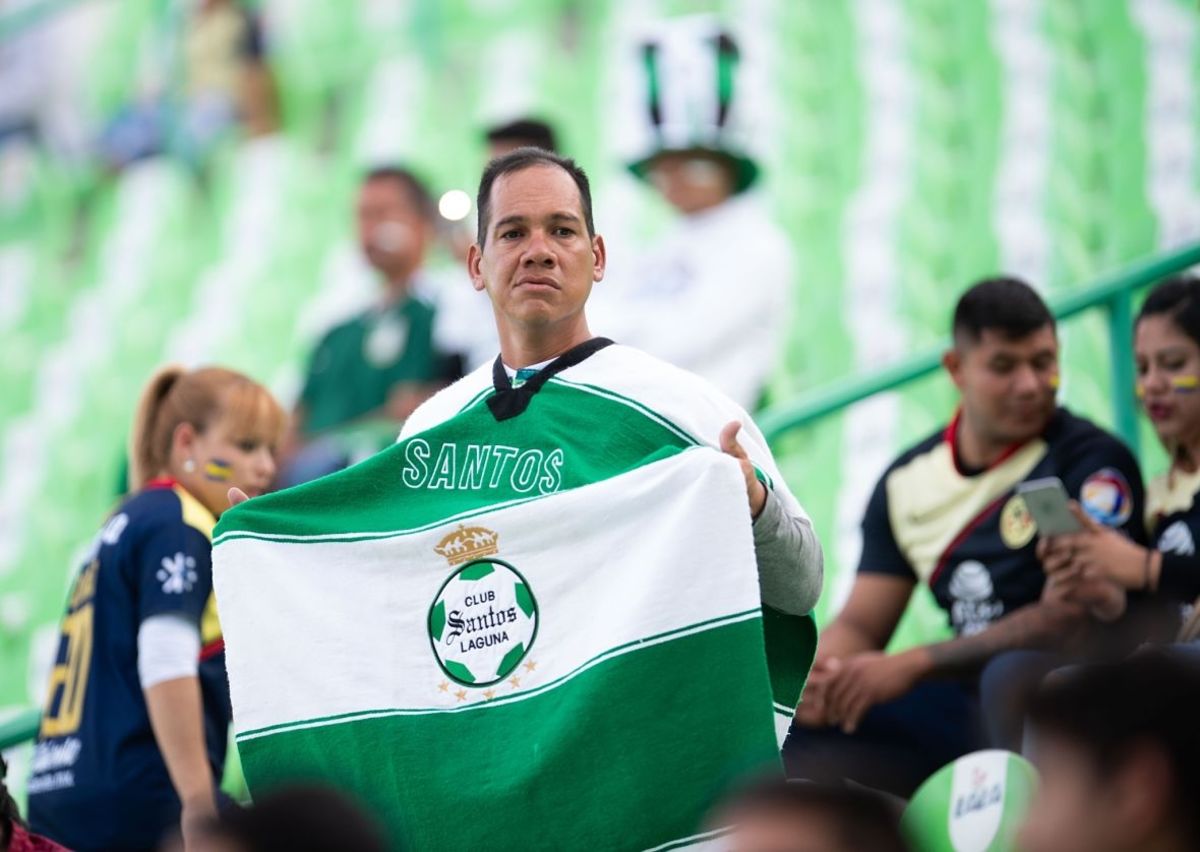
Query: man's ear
952	363
475	266
599	257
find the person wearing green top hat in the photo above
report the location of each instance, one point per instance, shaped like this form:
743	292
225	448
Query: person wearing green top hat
712	294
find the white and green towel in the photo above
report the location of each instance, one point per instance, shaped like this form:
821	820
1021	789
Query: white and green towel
512	635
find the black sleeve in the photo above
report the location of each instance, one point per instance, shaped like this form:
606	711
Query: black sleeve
1103	476
880	553
1180	577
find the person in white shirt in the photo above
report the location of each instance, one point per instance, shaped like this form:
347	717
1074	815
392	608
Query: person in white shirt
712	295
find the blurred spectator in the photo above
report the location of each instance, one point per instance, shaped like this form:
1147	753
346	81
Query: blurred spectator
382	363
224	75
946	513
779	816
224	81
14	834
296	819
1118	750
1167	349
135	724
712	295
523	132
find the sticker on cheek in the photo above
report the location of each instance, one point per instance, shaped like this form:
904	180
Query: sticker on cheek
218	470
1185	384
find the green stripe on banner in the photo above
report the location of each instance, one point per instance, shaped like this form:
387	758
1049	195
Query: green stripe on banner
679	740
791	642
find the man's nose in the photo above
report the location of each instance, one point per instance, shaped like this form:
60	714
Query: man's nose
538	252
1027	380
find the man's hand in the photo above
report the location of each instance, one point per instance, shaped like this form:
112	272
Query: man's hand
755	490
237	495
868	679
811	711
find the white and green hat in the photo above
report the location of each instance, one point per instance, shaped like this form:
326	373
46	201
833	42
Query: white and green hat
692	70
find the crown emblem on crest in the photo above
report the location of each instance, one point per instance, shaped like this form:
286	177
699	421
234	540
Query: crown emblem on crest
466	544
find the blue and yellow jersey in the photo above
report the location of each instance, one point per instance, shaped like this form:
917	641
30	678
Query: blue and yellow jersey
99	781
968	534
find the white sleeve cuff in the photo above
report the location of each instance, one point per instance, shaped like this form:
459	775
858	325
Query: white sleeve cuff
168	648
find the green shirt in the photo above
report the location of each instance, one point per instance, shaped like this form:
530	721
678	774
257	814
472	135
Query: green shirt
358	362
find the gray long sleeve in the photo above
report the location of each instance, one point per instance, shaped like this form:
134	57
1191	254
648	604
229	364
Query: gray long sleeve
790	562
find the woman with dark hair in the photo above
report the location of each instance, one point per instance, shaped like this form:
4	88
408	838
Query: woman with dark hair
1167	351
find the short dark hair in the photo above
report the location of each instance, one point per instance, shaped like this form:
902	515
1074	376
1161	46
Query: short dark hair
1003	304
1178	298
1108	709
526	158
418	193
858	818
532	131
303	818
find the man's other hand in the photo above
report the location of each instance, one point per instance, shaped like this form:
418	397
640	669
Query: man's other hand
755	490
868	679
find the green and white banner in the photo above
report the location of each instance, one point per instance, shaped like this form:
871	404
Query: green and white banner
491	654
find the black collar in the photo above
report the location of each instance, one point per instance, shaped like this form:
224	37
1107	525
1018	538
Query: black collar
508	401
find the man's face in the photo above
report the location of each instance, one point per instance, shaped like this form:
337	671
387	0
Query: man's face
1008	387
537	263
392	231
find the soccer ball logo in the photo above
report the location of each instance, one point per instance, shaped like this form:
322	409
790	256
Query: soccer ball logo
483	622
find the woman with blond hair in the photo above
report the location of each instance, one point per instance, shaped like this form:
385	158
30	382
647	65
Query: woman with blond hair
135	725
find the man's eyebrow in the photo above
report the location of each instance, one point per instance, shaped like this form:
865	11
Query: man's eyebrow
508	220
518	219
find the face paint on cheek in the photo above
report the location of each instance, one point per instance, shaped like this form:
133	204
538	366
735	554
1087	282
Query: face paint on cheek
218	470
1055	381
1185	384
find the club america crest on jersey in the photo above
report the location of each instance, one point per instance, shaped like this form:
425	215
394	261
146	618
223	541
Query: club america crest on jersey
484	619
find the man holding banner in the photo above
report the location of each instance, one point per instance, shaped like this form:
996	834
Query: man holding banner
554	602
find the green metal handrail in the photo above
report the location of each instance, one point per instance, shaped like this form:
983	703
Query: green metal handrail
1115	293
19	728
